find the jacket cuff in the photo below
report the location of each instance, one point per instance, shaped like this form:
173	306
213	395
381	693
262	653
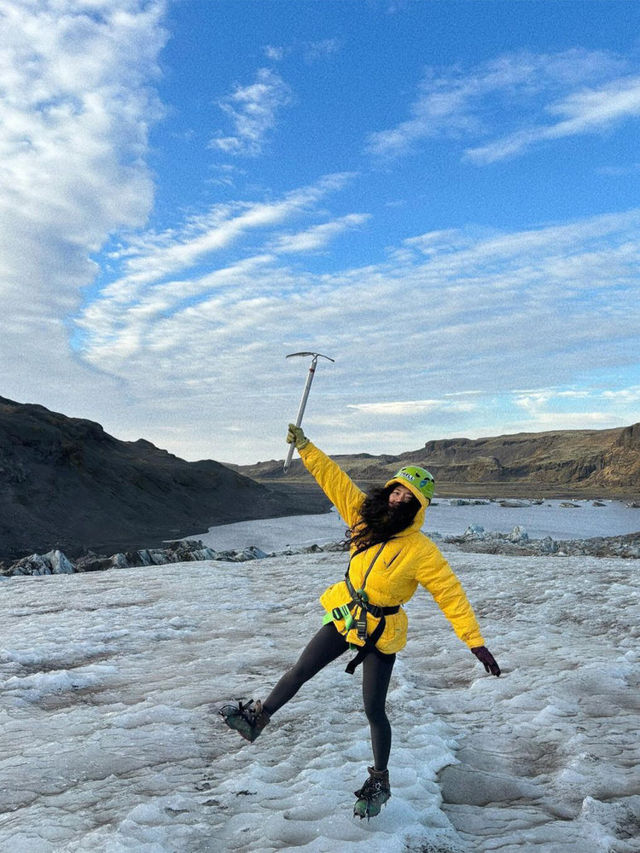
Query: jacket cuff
307	449
474	641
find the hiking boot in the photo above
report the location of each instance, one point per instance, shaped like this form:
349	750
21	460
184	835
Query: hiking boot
248	720
373	795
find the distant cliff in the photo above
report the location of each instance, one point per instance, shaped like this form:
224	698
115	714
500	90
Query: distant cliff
65	483
575	463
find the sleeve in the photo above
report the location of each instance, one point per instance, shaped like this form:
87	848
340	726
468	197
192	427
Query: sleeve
436	575
337	486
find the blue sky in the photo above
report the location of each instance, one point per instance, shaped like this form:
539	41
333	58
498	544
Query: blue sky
442	196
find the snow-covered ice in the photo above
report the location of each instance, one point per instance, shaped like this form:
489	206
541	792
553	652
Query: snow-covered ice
110	742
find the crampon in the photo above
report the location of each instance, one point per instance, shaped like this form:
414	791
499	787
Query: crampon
247	719
373	795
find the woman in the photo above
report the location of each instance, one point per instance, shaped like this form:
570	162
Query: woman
389	557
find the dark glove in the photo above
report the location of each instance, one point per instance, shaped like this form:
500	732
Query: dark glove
485	657
297	437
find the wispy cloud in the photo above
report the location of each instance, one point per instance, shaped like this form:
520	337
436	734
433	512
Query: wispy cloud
253	110
619	170
320	49
587	89
274	52
582	112
151	257
162	274
438	316
625	396
584	408
536	401
318	236
311	51
406	408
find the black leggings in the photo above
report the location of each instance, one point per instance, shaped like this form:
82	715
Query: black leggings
327	645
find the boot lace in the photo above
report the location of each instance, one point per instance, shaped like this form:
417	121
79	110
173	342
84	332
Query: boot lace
252	711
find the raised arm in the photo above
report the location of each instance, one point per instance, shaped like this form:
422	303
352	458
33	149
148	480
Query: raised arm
337	486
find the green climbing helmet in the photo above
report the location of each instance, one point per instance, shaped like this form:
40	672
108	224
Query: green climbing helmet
416	479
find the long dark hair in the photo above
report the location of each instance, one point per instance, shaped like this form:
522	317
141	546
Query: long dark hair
379	521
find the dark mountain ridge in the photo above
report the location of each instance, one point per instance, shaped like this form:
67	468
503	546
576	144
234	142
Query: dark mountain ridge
65	483
559	463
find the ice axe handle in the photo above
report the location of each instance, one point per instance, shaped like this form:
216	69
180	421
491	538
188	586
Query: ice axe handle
287	461
301	408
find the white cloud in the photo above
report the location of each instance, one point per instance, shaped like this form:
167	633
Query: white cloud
318	236
320	49
273	52
253	110
581	112
535	402
624	396
590	407
459	103
620	170
77	106
552	420
311	51
402	408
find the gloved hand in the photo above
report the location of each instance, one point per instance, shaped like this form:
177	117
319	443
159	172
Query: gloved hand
485	657
297	437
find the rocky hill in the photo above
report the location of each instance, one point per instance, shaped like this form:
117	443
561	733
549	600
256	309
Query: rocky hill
562	463
65	483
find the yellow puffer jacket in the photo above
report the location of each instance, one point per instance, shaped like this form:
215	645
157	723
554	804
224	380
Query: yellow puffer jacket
409	559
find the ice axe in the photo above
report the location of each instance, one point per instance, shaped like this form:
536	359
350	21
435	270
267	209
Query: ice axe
305	394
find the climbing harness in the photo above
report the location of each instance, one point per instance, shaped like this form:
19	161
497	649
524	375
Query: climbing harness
355	613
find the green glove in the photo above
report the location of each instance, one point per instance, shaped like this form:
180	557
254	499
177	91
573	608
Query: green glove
297	437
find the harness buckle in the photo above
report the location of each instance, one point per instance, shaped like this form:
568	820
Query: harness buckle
343	612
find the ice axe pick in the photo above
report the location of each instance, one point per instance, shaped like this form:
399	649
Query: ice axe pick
305	394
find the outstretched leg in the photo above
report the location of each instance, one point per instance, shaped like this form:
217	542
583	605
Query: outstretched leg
250	719
323	648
